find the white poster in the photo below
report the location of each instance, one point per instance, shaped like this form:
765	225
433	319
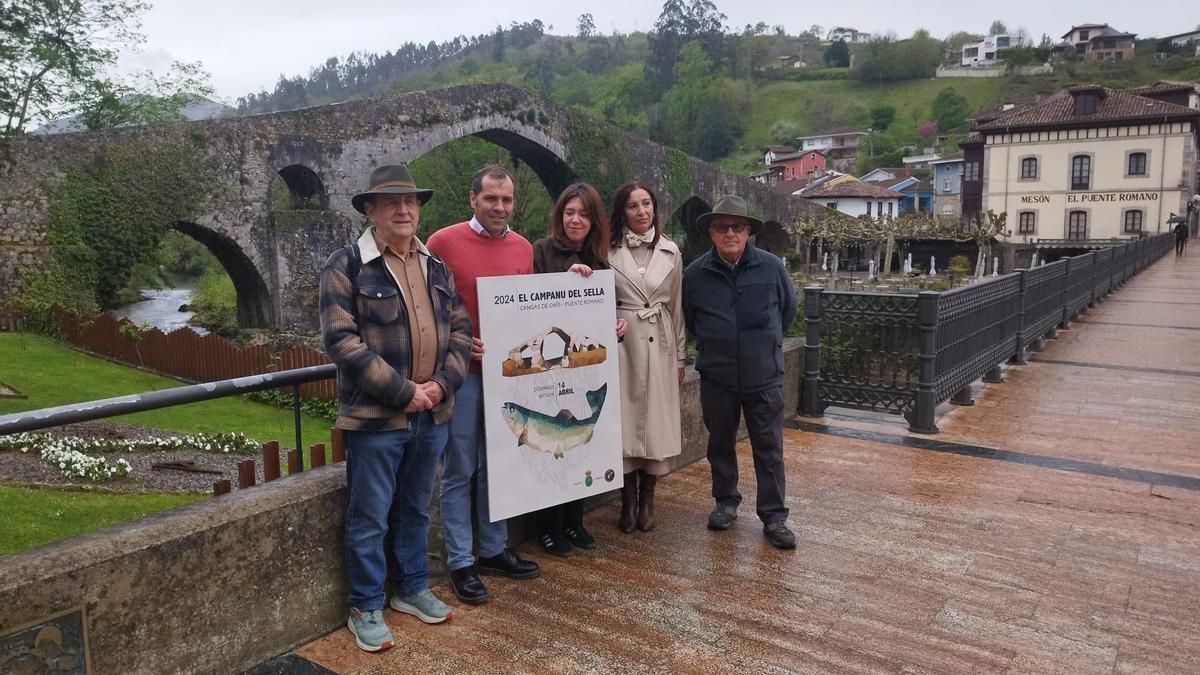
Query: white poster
551	389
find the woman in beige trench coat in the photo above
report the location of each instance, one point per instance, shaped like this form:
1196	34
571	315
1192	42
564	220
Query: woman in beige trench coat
649	281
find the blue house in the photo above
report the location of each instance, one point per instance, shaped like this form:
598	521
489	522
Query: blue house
947	183
916	195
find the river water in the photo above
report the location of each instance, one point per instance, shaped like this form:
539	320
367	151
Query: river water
160	310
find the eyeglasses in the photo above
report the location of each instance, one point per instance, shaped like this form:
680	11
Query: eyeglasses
738	227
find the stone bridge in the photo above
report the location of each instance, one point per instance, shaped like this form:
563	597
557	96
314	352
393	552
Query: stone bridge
273	244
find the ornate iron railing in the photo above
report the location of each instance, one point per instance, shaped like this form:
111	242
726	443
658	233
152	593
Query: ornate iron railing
905	354
870	354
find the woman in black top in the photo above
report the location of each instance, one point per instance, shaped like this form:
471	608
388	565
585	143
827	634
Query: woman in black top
578	241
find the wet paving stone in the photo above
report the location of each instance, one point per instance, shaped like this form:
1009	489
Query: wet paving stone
1052	527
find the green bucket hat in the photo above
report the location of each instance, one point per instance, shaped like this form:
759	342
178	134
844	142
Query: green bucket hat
730	205
390	179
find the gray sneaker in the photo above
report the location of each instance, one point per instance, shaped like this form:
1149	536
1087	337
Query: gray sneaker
722	517
424	605
779	535
370	632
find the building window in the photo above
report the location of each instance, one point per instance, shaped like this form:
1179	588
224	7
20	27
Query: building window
1027	222
889	208
946	185
1133	221
1137	164
971	172
1083	36
971	52
1077	225
947	209
1081	172
1029	168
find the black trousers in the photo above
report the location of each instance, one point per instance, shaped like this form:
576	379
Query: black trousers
722	409
555	519
1180	246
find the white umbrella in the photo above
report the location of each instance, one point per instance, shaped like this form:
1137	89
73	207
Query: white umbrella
932	266
870	269
825	262
995	265
908	264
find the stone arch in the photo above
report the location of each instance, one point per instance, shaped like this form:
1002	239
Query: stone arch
681	226
304	189
253	295
544	154
774	239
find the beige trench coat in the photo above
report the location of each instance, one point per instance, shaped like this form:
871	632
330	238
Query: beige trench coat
653	348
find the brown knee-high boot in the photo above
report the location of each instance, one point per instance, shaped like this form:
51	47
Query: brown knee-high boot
629	502
645	516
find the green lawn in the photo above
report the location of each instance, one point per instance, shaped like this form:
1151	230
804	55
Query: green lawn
33	517
51	374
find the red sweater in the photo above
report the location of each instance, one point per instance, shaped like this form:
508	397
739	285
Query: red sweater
471	255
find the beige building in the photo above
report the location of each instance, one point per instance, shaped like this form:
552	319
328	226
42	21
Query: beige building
1089	164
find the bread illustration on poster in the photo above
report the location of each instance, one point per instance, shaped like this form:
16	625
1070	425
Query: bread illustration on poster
552	348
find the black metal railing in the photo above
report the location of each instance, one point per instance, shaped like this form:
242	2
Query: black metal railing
32	420
905	354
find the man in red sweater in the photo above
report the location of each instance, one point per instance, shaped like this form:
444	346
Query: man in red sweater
482	247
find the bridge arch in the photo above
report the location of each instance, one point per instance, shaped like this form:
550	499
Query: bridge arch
253	296
544	154
301	188
774	239
681	226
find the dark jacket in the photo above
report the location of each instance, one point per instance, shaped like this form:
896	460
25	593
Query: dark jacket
551	256
737	317
364	325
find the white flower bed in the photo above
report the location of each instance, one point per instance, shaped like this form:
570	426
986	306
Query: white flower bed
80	457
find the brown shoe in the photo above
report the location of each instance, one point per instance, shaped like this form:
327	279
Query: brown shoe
629	503
645	516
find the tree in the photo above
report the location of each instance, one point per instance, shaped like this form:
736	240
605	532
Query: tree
882	116
837	55
146	99
498	45
955	41
997	28
587	26
54	54
949	109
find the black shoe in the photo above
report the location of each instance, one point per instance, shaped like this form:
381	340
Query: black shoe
779	535
557	544
580	537
467	586
509	564
722	517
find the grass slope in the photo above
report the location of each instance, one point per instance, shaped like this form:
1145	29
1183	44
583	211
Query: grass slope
33	517
52	374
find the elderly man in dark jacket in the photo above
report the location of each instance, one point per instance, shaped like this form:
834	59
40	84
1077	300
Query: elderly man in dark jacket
737	300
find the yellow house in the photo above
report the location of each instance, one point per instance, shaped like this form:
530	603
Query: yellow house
1089	164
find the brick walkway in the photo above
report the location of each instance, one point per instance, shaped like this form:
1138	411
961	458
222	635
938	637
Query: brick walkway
1052	527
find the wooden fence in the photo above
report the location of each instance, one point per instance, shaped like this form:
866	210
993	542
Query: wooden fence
183	353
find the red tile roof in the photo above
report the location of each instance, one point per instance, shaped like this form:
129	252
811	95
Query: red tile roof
1114	106
852	188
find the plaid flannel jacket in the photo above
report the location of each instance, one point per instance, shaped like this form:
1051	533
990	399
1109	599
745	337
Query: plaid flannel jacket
364	326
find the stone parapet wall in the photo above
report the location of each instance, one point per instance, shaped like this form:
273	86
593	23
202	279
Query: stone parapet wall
222	585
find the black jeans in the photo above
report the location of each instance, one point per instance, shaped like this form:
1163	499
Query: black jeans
555	519
722	409
1180	246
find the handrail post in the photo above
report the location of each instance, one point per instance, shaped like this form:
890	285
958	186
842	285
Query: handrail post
1064	298
296	413
1018	356
810	398
922	419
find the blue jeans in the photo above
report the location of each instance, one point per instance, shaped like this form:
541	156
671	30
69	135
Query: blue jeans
389	478
466	457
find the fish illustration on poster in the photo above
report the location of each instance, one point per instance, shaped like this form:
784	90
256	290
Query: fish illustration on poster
551	389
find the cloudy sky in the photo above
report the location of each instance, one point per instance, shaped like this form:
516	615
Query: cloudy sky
248	44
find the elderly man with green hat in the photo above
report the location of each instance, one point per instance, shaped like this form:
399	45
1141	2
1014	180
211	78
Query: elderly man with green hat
394	325
737	301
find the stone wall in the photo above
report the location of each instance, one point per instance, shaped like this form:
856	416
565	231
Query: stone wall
227	583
